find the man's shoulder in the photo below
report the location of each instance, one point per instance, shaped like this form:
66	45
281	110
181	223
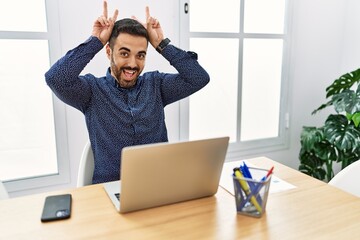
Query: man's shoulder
94	80
151	75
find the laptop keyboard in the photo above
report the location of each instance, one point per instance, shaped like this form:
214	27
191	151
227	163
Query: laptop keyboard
117	195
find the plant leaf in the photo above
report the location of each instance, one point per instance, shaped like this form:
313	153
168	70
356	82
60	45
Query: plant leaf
311	165
344	82
325	105
347	101
347	157
325	151
339	132
309	136
349	116
356	119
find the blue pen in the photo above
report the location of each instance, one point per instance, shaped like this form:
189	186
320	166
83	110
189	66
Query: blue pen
246	173
247	170
258	188
246	190
253	186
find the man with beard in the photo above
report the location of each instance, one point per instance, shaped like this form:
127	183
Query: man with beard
124	108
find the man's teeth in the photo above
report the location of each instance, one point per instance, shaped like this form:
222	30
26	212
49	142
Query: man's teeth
129	72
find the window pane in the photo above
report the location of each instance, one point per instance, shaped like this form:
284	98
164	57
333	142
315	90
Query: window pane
214	16
23	15
262	66
264	16
213	110
27	139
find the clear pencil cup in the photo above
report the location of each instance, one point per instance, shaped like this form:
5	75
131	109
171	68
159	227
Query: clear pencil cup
251	193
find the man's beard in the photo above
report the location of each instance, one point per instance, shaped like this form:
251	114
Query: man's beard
117	74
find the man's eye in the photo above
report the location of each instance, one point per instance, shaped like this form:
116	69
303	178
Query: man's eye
124	54
141	56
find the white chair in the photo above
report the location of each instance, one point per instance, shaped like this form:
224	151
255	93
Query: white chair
86	167
3	192
348	179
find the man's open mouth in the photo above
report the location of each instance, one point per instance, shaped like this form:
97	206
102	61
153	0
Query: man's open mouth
129	74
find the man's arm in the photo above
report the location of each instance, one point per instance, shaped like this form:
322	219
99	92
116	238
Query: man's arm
64	76
191	76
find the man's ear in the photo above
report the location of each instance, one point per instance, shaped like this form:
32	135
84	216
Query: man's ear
108	51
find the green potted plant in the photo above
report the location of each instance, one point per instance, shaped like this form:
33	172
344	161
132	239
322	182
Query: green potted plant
338	140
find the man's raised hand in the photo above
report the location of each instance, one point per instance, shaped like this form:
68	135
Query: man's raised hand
153	28
103	25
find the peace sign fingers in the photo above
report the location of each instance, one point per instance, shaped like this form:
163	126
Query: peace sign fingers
105	9
103	25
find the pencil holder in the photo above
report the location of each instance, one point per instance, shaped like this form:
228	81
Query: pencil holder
251	193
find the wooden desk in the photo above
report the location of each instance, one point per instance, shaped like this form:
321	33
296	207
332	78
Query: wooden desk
313	210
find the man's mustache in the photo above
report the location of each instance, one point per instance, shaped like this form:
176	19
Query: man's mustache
130	68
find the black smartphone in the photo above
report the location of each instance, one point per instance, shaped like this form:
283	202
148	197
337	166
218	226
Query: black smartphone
56	207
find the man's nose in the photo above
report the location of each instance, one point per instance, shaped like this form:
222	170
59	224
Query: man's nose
131	62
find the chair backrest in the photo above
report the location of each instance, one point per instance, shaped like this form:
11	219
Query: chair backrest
348	179
3	192
86	167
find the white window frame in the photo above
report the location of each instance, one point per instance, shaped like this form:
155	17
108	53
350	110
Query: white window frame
244	148
53	37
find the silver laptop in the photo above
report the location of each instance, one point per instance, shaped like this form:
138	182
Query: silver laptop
164	173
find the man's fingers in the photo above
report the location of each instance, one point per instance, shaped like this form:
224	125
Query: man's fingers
102	20
116	13
105	9
147	13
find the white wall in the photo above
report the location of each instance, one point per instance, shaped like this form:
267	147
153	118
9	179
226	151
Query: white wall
351	45
324	46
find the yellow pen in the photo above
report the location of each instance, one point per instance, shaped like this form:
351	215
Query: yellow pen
246	189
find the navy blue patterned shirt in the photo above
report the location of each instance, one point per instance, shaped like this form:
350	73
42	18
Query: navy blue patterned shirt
117	117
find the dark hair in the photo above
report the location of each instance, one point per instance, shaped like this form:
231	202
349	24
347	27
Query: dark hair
130	26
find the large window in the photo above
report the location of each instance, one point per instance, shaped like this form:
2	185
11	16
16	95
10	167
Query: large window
243	45
28	151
